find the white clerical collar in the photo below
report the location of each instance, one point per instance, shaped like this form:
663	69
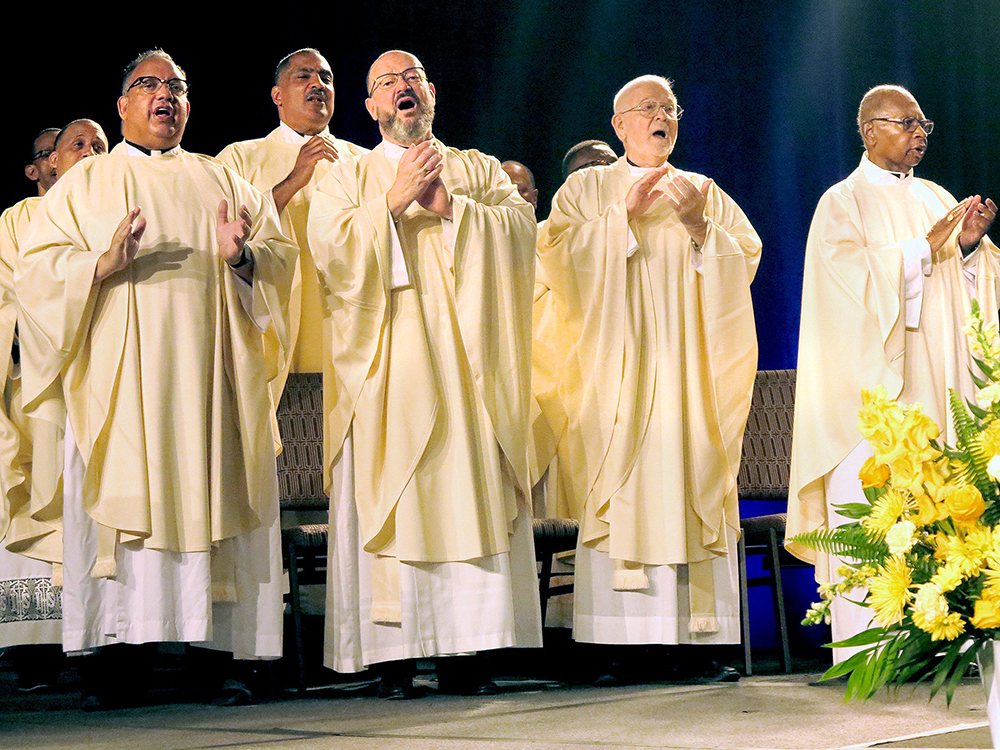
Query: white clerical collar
878	176
392	150
293	136
133	149
640	171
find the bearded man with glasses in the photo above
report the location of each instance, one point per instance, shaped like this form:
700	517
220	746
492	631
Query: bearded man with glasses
426	253
892	263
145	281
652	266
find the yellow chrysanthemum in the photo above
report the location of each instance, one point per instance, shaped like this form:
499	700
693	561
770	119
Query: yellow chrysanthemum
979	539
968	559
948	578
932	615
886	511
991	586
947	629
889	591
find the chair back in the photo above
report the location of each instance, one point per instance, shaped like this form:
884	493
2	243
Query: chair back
767	443
300	463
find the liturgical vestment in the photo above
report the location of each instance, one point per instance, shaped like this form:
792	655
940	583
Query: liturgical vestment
655	392
878	308
427	417
264	162
30	607
164	384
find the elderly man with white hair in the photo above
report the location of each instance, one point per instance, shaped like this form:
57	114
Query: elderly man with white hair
652	266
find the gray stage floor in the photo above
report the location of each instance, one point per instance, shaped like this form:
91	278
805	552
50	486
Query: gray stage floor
757	712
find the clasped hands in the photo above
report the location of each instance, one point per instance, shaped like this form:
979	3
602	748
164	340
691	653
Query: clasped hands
974	214
418	178
312	152
231	237
687	200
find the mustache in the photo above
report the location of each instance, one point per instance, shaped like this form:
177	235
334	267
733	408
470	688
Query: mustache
407	92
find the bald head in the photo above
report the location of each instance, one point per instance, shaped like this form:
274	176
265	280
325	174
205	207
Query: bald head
77	141
645	120
879	99
893	128
395	60
637	88
587	154
521	176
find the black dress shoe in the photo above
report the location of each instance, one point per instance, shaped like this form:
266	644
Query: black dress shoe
715	672
397	688
234	693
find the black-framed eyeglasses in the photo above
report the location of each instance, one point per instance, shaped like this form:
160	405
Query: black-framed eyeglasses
386	81
909	123
151	84
43	154
649	110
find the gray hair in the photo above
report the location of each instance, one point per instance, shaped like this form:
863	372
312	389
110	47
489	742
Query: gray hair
147	55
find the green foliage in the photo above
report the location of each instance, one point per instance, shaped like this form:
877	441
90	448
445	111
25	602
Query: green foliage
853	510
851	542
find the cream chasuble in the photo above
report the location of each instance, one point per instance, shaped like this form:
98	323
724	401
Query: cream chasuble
30	608
432	376
656	386
31	448
264	163
871	318
428	407
161	366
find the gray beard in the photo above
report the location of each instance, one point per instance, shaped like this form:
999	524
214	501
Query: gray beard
408	133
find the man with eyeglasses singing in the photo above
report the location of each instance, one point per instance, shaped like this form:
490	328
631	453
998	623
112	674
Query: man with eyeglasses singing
286	166
653	267
145	281
892	262
426	252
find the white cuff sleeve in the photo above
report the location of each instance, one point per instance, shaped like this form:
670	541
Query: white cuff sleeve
970	269
244	291
697	259
916	265
633	244
400	276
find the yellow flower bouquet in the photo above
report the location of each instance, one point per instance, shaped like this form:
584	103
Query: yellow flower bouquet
924	552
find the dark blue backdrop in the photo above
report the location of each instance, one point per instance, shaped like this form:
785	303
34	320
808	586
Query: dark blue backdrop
770	89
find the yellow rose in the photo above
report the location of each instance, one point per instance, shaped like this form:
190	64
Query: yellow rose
986	614
965	504
873	474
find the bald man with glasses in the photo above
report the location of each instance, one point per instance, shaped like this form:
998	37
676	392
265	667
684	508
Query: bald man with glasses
892	264
652	268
